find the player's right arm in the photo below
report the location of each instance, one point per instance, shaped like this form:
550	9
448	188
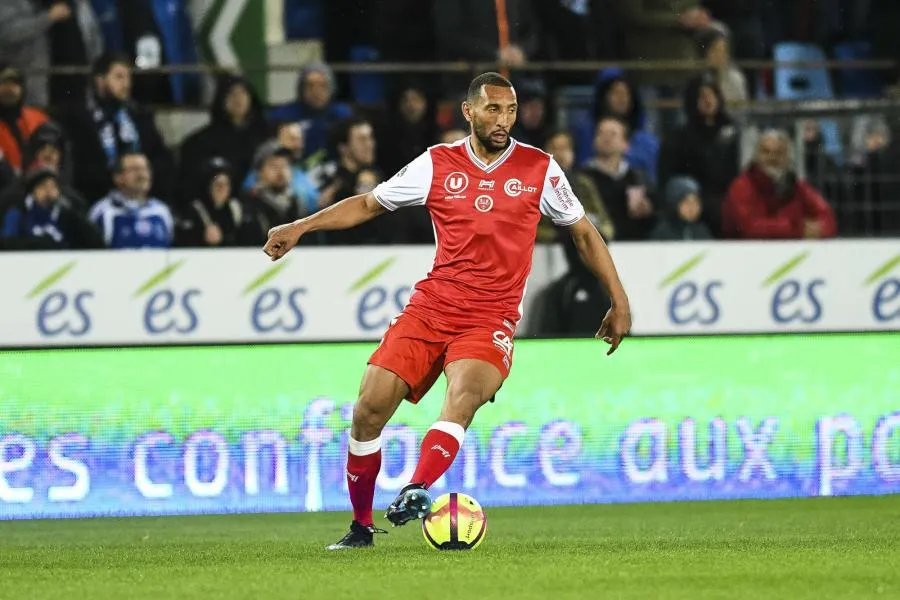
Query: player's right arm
409	187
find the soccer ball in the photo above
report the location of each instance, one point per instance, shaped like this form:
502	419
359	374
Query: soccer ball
456	522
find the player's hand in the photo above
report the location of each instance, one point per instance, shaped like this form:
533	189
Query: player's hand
282	239
615	326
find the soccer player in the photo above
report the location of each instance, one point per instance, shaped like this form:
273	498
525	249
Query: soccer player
486	194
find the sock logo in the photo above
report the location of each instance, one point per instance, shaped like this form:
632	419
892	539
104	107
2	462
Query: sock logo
442	450
352	477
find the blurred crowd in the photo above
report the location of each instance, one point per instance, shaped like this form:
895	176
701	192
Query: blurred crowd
84	165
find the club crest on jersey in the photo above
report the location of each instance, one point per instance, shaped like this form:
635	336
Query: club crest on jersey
456	182
484	203
513	187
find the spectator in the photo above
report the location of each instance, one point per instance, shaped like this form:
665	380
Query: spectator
681	219
482	26
47	147
24	42
112	125
561	146
314	109
410	128
290	136
450	136
75	42
472	30
706	148
17	121
769	201
614	96
873	205
531	122
215	217
622	188
662	30
729	78
354	144
237	128
272	202
7	176
129	217
40	220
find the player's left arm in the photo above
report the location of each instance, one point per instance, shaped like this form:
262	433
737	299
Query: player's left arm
560	204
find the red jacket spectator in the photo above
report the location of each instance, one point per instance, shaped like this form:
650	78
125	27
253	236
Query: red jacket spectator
17	122
753	209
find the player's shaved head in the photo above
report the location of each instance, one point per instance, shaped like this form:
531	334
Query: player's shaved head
490	108
490	79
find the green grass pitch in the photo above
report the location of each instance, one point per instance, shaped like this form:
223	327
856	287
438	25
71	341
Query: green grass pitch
815	548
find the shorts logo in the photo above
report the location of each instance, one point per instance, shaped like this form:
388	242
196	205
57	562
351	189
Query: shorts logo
352	477
513	187
502	341
554	181
484	203
456	182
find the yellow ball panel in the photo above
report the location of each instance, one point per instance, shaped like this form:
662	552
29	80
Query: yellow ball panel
437	527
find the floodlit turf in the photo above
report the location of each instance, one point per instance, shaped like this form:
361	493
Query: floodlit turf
820	548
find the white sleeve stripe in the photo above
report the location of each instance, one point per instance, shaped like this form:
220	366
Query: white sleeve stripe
385	203
570	221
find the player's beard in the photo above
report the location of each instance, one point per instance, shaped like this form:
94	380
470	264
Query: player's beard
484	137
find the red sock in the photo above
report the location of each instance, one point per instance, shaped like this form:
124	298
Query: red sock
363	464
439	448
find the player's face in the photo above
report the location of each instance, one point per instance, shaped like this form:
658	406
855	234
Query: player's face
492	115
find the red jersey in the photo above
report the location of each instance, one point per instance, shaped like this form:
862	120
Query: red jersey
485	221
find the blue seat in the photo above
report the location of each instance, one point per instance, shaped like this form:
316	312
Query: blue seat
801	83
367	88
858	83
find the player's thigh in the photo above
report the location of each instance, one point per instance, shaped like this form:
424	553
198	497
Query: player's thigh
413	351
471	382
380	393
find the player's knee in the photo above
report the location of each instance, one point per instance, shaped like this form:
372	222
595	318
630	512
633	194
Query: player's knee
369	417
462	402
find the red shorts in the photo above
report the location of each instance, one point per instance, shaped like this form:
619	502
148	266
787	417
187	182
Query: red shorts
417	351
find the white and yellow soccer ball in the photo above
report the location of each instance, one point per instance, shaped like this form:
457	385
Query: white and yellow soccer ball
456	522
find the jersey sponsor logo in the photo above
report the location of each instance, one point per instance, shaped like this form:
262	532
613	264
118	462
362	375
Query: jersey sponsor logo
564	197
554	181
513	187
484	203
503	342
486	184
456	182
